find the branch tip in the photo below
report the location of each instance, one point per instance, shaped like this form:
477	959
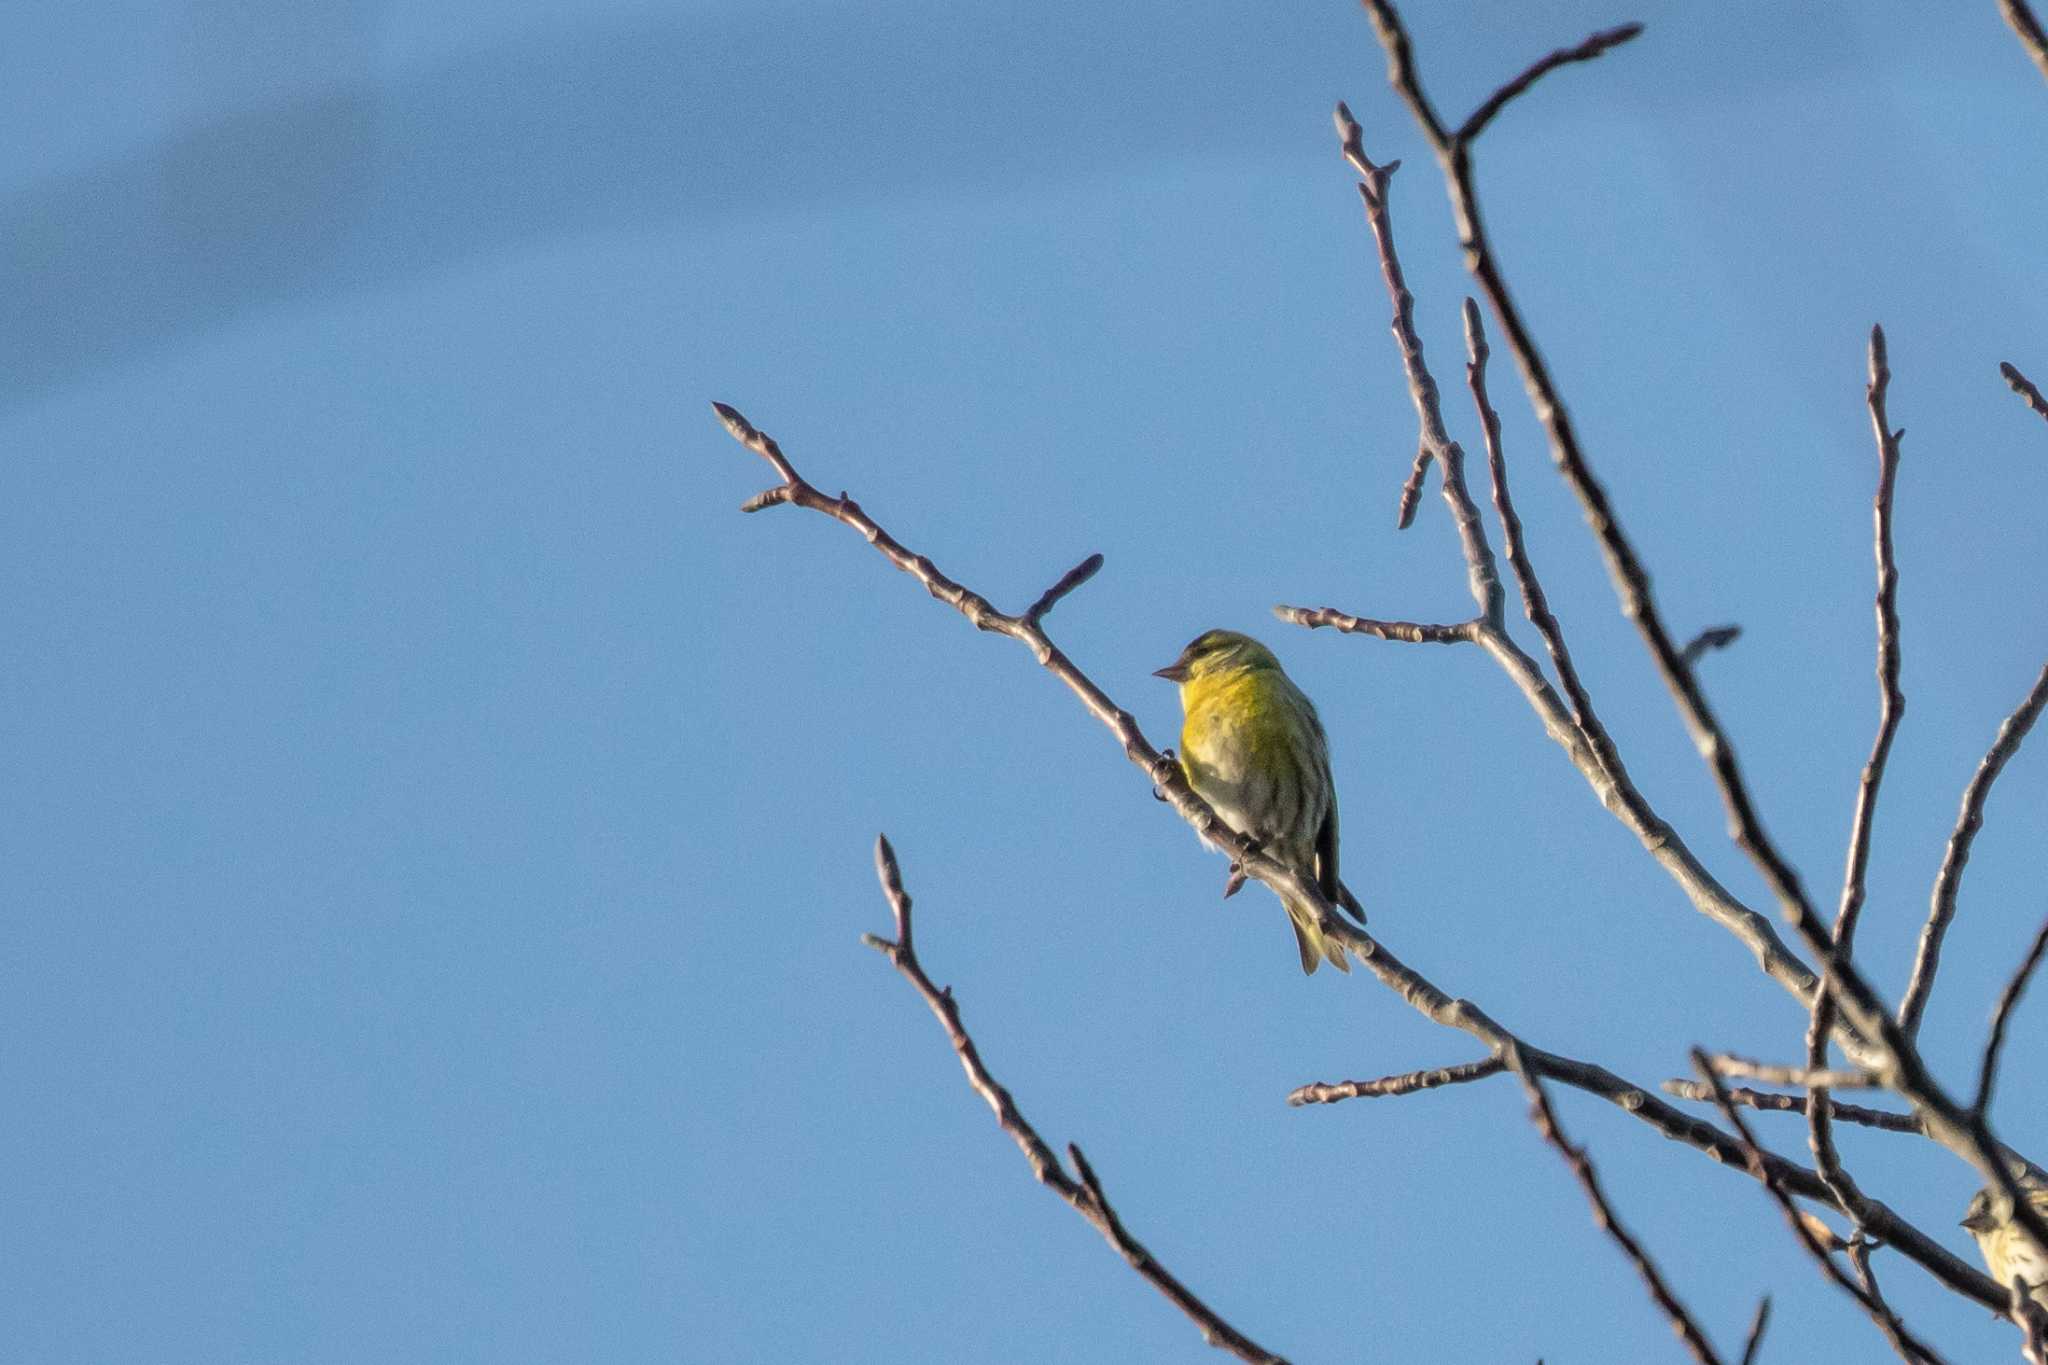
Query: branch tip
2023	386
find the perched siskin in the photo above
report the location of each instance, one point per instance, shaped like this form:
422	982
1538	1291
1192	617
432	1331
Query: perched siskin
2008	1253
1252	747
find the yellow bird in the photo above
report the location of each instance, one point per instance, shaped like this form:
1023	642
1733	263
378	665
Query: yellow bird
2008	1252
1253	748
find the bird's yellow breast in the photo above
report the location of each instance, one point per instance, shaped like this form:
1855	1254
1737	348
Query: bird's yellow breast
1238	720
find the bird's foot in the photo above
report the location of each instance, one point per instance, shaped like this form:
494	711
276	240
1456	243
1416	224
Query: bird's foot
1166	756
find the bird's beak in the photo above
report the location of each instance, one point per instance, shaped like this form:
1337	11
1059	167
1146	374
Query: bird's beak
1175	672
1976	1222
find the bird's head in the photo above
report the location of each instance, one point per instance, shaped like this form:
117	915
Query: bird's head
1214	653
1979	1217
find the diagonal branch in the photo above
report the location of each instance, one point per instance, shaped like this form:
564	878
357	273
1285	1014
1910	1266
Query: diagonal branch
1733	1064
1407	1083
1708	640
1968	821
2029	30
1890	1047
1624	565
1577	730
1070	580
1408	632
1994	1044
2024	387
1541	67
1755	1340
1165	776
1535	604
1895	1331
1083	1192
1541	1114
1772	1102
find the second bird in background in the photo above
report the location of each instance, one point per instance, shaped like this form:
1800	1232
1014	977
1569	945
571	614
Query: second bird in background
1253	748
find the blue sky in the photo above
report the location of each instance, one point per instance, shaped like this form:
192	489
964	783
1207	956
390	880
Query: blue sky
439	824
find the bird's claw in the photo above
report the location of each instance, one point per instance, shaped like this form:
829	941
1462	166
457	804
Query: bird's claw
1167	757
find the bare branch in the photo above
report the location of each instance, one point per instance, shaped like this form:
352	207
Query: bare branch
1406	1083
1167	780
1730	1064
1535	604
1727	1151
1070	580
1625	567
1895	1331
1712	638
1891	704
1408	632
1891	707
1435	440
1968	821
2024	387
1543	66
1881	1038
1084	1195
2029	30
1774	1102
1579	732
1545	1120
1755	1339
1987	1071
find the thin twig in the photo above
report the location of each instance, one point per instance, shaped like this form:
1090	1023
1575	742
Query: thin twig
1774	1102
1879	1037
1408	632
1578	730
1755	1340
1545	1120
1535	603
1727	1151
1085	1194
2029	30
1712	638
1891	707
1748	1068
1165	777
2024	387
1624	565
1968	821
1072	579
1895	1331
1543	66
1432	436
1987	1070
1407	1083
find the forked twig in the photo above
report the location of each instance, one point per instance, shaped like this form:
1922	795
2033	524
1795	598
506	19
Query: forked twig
1902	1341
1545	1120
1082	1191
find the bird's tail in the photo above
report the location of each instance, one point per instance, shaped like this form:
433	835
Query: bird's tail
1346	901
1315	945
